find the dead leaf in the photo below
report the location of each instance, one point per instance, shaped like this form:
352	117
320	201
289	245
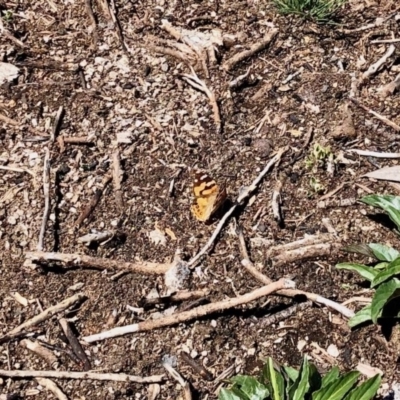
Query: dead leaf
386	174
170	233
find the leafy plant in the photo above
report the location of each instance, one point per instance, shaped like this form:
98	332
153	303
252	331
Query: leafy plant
8	15
318	10
316	186
286	383
319	157
383	274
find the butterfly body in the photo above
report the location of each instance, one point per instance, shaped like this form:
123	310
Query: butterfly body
209	197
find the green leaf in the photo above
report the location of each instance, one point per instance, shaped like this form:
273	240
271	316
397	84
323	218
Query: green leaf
392	270
251	387
361	316
303	383
382	296
381	265
276	381
229	394
291	373
366	272
366	390
388	203
314	378
362	249
383	252
338	388
332	375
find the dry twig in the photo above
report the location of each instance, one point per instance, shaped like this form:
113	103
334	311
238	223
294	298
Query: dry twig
57	124
75	344
199	368
117	175
89	11
183	295
46	192
375	67
175	374
390	88
242	196
255	48
81	375
16	169
41	351
93	202
195	313
100	263
8	35
48	313
376	115
291	292
197	83
51	387
376	154
276	202
284	314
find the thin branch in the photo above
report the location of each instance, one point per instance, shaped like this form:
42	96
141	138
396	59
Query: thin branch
284	314
376	115
46	193
48	313
93	202
81	375
195	313
291	292
41	351
376	154
117	174
16	169
52	387
255	48
375	67
8	35
197	83
100	263
89	11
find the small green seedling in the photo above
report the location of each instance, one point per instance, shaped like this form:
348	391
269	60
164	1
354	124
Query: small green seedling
320	11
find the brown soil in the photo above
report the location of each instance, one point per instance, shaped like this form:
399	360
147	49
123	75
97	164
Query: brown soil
107	92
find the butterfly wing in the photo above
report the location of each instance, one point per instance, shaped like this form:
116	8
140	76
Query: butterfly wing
208	196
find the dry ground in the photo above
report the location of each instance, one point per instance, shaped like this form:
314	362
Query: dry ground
138	95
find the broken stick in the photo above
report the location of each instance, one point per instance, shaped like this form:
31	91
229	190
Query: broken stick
46	193
75	344
93	202
48	313
144	267
376	115
81	375
195	313
51	387
197	83
246	262
117	174
255	48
